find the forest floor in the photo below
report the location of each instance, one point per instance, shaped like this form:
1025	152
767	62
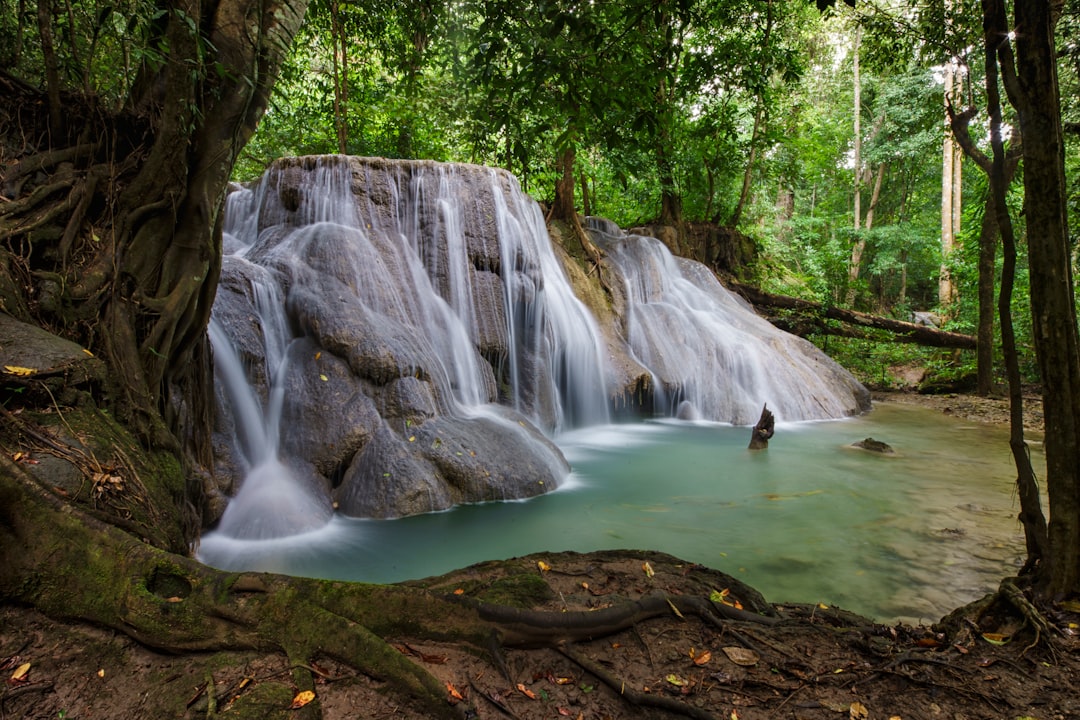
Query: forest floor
818	662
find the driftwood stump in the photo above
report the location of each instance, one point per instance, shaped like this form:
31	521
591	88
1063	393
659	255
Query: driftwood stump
764	429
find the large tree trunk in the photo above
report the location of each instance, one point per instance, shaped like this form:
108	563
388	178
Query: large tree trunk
1034	91
116	222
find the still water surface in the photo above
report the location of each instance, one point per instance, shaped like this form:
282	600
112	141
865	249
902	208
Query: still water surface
908	536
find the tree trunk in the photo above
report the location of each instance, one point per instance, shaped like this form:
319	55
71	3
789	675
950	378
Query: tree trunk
804	317
563	208
946	290
1034	91
748	171
857	131
860	242
127	234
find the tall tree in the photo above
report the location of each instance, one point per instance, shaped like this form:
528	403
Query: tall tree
113	235
1034	91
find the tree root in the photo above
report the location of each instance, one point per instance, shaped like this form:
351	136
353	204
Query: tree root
633	696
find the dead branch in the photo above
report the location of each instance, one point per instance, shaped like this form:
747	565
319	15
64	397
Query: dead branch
811	317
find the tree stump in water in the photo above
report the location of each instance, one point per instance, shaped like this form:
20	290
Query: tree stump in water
764	429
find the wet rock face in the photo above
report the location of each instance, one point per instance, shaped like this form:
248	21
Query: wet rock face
406	326
402	310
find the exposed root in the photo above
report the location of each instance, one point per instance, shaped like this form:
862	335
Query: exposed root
632	696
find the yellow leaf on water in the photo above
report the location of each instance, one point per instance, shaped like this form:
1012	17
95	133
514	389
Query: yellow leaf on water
20	672
302	699
21	371
647	568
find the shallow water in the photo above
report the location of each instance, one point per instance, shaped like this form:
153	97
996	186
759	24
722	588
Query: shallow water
908	536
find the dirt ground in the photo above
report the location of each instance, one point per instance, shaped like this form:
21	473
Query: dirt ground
809	663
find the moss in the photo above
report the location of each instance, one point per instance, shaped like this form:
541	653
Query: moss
523	590
265	700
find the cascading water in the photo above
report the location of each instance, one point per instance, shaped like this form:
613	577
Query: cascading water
390	335
708	354
416	306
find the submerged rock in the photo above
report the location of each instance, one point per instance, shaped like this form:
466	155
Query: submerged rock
873	445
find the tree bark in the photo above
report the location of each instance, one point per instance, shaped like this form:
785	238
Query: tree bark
1034	91
127	255
1000	173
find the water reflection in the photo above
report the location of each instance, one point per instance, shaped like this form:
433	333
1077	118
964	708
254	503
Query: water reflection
909	536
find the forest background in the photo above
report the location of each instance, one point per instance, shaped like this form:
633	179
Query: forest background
737	114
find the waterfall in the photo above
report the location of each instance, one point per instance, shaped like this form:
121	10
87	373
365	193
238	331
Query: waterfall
367	307
397	337
708	354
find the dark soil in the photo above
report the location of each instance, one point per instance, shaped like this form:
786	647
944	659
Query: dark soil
817	662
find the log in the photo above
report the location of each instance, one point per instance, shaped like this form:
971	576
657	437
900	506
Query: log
765	428
811	318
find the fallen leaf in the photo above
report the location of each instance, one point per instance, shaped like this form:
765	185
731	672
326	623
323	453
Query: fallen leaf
741	656
20	371
318	355
526	691
412	438
858	711
323	378
88	352
544	567
676	680
647	568
995	638
1070	605
459	591
20	672
703	658
302	698
734	715
675	609
454	692
556	680
101	673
